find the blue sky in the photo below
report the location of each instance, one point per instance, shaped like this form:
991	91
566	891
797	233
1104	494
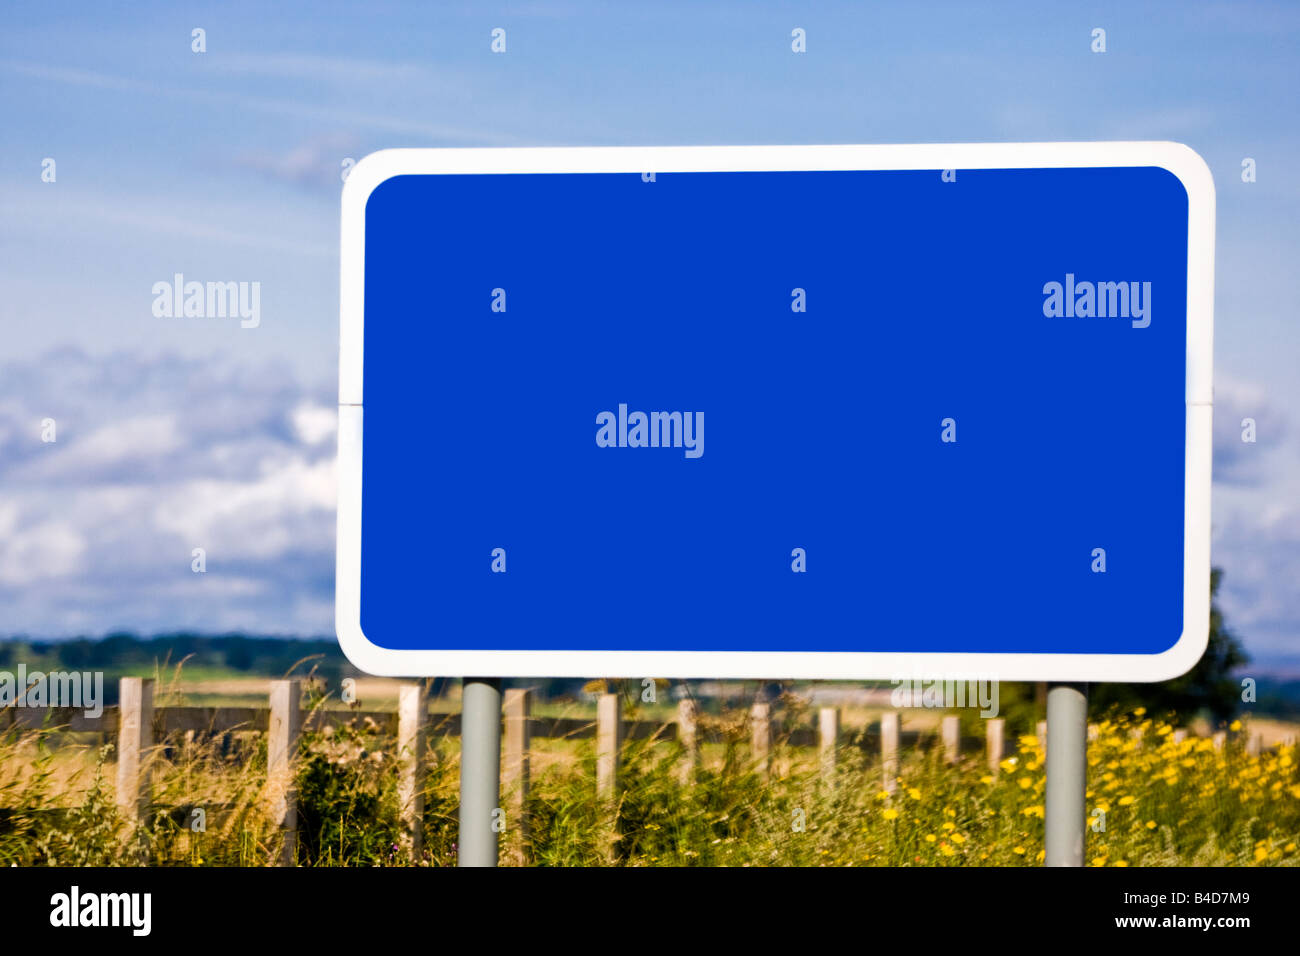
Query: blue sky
225	165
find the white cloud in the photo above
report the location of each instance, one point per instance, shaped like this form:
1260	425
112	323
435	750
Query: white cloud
1237	461
1256	522
316	162
112	445
48	549
315	423
156	457
259	517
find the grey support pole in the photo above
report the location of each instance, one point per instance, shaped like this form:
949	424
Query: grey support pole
480	771
1067	773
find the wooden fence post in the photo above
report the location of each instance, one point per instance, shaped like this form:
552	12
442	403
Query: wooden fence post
609	740
134	738
689	735
995	727
828	733
889	750
609	737
281	747
412	716
518	709
950	730
760	730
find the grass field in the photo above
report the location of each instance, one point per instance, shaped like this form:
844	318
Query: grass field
1152	800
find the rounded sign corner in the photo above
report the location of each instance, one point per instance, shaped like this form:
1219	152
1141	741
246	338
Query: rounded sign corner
1187	166
365	656
1180	658
371	172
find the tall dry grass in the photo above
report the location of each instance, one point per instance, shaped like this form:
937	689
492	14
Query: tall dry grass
1151	801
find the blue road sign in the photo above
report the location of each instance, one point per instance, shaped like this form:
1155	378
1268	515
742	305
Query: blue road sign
818	412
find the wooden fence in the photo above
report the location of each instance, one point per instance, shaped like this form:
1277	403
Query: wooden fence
139	727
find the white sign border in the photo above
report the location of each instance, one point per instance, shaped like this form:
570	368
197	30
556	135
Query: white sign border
1178	159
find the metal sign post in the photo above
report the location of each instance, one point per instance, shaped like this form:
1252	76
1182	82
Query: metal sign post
1067	774
480	771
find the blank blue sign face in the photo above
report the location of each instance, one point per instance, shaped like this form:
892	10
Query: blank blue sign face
793	411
